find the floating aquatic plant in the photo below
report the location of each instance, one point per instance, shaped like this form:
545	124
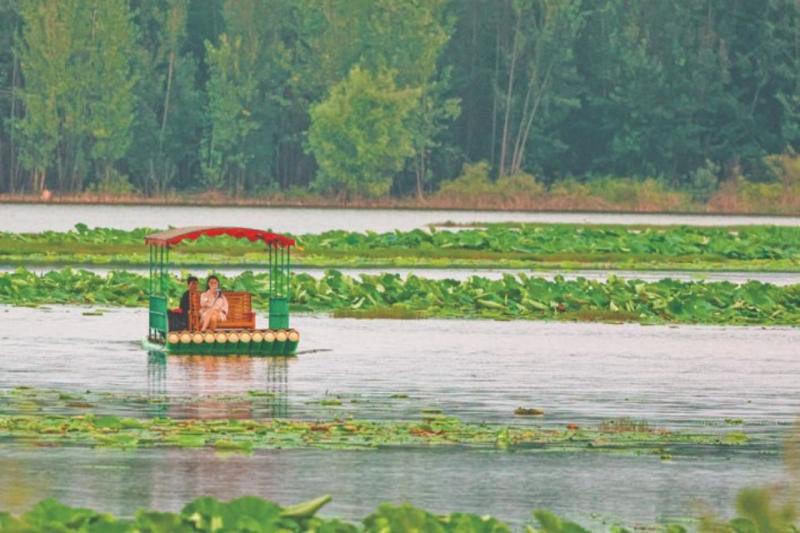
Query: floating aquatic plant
490	245
245	435
511	297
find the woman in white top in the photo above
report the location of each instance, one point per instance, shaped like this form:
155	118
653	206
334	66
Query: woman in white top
213	305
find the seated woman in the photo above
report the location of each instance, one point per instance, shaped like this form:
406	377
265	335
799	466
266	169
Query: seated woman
213	305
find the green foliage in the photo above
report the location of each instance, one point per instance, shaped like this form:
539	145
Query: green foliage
624	193
247	514
538	83
254	515
167	121
759	510
681	91
244	514
36	417
113	184
765	194
475	184
550	523
474	181
51	515
758	506
402	518
360	133
79	89
231	100
512	245
512	297
703	181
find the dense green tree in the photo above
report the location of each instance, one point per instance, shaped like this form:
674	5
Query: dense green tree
538	82
110	98
406	37
360	134
10	106
204	22
169	111
78	95
232	87
177	94
44	57
472	56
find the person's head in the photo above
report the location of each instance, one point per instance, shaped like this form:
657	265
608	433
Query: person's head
212	283
192	282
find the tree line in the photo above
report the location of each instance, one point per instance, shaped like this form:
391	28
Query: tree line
376	97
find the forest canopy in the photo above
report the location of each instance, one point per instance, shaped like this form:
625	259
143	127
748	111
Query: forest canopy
368	98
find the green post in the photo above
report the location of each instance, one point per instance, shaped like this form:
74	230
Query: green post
278	287
158	296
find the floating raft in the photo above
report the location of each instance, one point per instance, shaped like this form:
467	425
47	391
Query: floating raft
233	342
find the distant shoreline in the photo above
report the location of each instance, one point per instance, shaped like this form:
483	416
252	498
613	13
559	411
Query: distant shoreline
432	204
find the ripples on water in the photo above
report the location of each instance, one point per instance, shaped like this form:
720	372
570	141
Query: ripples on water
676	377
476	369
584	487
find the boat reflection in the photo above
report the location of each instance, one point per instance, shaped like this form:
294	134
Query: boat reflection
209	387
156	373
278	387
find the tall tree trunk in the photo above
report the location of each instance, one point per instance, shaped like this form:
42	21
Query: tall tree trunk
37	180
495	83
12	178
61	168
2	168
472	91
523	118
509	91
162	179
419	168
527	124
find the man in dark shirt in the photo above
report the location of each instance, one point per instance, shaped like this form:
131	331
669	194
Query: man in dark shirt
179	318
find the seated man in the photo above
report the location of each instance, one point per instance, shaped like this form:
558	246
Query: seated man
179	317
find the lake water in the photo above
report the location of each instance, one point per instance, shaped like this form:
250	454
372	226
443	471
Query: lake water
41	217
684	378
631	490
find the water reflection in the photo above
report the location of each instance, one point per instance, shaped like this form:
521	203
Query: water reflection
156	374
261	386
278	387
21	490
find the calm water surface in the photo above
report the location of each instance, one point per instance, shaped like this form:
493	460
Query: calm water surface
40	217
690	378
475	369
584	487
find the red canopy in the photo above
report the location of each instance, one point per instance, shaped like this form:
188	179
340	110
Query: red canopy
175	236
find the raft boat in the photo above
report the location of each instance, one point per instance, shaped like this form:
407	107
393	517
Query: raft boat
237	334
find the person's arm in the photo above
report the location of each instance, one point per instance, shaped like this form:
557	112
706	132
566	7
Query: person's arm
185	302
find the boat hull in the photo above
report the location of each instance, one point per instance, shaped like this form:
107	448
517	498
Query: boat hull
257	343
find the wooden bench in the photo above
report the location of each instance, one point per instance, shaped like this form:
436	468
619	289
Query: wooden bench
240	311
